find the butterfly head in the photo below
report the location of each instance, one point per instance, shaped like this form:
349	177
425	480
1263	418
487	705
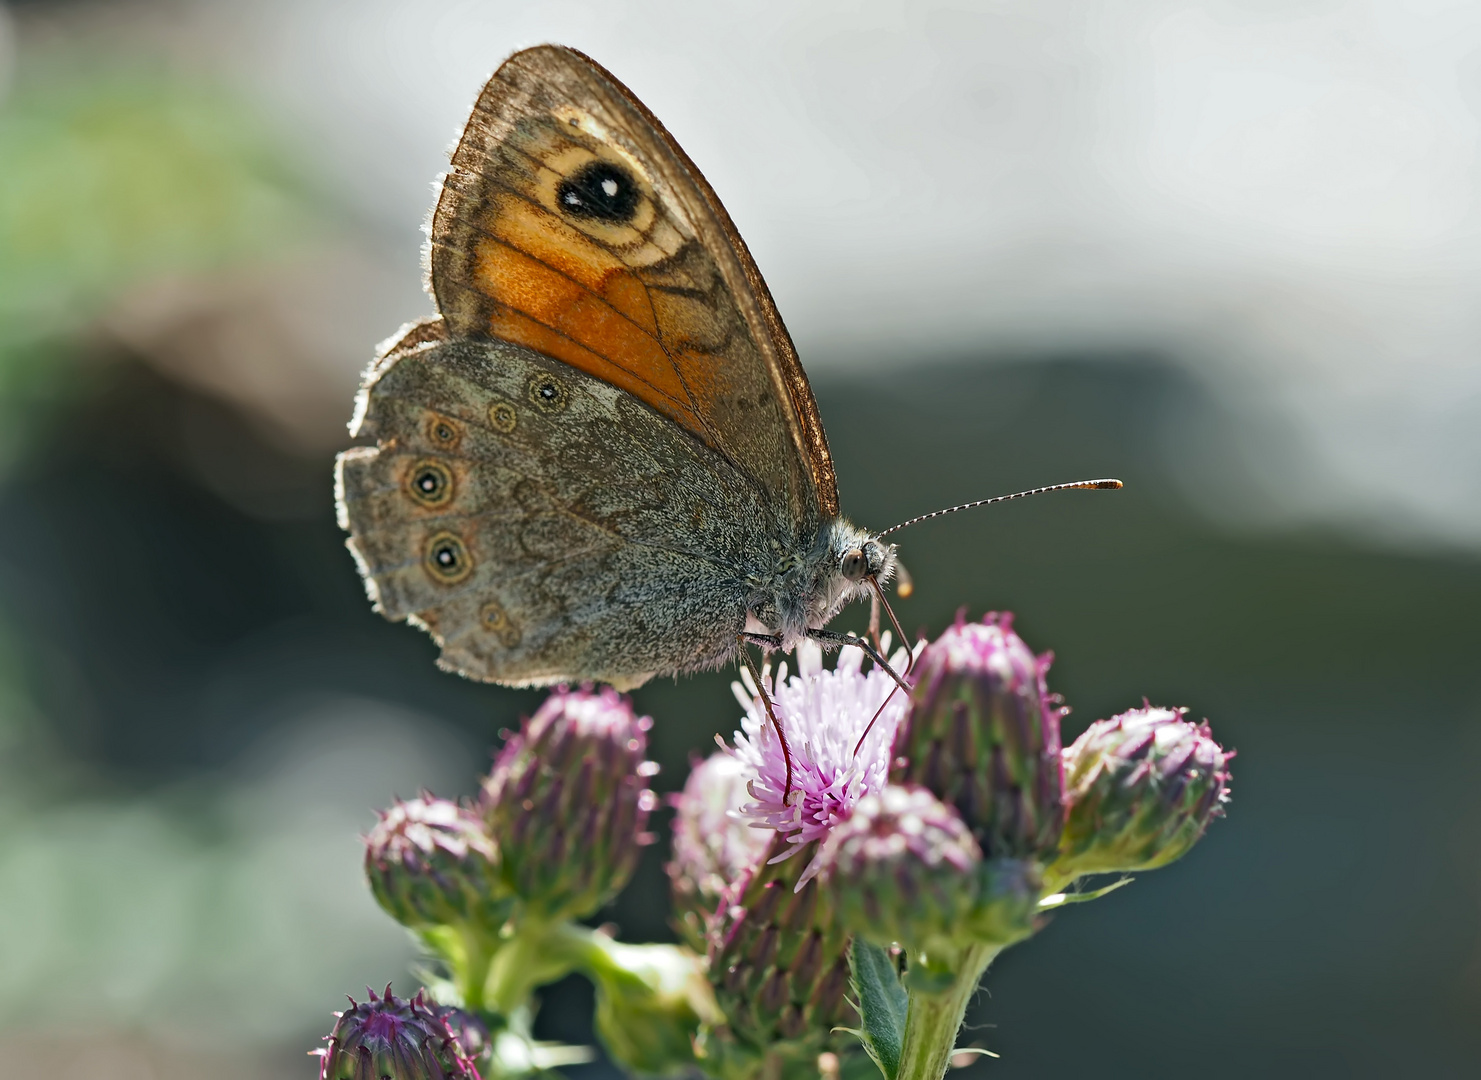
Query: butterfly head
855	557
871	559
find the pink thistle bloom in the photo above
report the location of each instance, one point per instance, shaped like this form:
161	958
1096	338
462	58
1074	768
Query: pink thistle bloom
823	712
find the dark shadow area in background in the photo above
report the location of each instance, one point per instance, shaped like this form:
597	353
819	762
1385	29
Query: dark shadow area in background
1328	927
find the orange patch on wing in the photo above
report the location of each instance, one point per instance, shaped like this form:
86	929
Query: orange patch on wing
511	325
630	296
544	236
516	280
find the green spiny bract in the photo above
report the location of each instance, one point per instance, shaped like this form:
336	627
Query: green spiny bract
778	958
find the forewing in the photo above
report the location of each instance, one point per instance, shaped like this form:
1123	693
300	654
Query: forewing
571	222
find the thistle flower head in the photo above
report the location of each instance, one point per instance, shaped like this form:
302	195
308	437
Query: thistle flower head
1142	787
712	845
389	1038
778	954
431	862
982	734
568	802
823	712
902	868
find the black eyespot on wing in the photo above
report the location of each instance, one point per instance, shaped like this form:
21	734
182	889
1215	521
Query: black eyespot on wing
547	393
599	189
430	483
443	432
446	558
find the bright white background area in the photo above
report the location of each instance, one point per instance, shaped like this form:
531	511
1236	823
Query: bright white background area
1280	195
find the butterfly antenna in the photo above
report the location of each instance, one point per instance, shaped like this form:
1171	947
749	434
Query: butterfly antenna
1077	485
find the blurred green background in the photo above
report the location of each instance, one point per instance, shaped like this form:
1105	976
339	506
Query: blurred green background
199	711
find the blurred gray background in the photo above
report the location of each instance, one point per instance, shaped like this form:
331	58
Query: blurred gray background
1229	252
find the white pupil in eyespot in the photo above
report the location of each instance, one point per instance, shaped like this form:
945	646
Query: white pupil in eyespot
609	188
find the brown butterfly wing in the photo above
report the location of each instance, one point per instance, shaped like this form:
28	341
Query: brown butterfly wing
542	525
572	223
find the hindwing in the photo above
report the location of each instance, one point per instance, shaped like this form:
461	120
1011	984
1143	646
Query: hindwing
540	523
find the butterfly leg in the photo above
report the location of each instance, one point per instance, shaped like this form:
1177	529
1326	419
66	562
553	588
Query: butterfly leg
766	641
829	637
773	641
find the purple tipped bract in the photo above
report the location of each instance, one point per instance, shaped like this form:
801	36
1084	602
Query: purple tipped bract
902	867
713	846
389	1038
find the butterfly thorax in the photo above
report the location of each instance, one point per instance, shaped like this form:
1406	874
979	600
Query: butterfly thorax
810	584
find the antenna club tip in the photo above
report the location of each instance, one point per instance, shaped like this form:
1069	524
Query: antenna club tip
1108	485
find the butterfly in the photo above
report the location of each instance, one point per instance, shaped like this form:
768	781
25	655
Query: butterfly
601	460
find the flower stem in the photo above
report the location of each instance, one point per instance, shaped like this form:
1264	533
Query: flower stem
522	963
473	972
933	1021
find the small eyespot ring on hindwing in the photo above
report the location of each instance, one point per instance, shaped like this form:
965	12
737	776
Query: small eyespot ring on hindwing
443	433
493	618
503	417
430	483
547	393
446	558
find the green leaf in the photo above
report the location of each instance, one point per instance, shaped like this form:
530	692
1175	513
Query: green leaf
883	1005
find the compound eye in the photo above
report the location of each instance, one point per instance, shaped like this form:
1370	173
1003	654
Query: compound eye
854	566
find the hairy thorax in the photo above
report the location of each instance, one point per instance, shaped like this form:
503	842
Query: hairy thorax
807	586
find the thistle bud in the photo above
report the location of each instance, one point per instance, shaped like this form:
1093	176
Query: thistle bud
1141	787
712	846
388	1038
778	960
431	862
983	736
903	868
567	802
